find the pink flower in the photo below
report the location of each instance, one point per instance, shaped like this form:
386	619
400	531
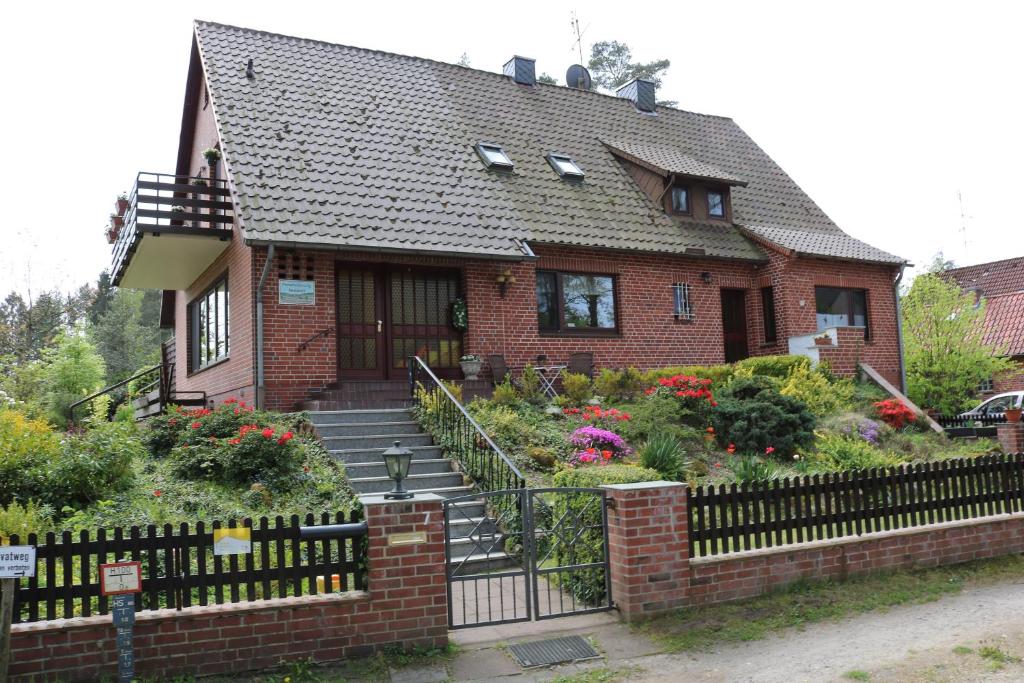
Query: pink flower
769	450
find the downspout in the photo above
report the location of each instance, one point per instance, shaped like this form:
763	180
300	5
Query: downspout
259	326
899	328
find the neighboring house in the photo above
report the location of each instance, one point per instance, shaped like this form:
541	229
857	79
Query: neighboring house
383	187
1001	285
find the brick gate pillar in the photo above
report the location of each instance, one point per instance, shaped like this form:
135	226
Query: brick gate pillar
1011	436
406	578
648	547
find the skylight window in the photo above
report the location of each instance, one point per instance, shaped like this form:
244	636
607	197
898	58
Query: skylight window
494	156
565	166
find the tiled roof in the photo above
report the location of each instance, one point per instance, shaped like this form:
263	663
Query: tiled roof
335	145
993	279
667	159
1004	322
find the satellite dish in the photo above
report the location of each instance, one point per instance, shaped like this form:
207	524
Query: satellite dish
577	77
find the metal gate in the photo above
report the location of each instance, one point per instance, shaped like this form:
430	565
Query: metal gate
526	554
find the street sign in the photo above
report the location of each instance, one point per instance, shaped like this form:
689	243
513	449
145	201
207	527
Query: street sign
17	561
232	541
117	578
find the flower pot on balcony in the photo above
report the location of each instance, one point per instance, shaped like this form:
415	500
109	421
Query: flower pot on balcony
471	368
1013	414
112	233
120	206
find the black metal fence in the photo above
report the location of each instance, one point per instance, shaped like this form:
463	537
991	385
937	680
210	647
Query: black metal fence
977	426
813	508
458	433
179	569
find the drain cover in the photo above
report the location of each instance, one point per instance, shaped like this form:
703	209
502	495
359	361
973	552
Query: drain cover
552	651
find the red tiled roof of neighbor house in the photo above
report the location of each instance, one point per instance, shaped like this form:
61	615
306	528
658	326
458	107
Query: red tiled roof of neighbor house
329	145
992	279
1004	322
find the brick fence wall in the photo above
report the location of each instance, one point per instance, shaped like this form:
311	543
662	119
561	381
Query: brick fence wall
406	605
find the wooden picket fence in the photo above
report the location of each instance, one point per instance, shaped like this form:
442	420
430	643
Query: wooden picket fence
733	518
179	568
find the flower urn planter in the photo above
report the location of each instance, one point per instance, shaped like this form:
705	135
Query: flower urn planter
823	341
471	369
1013	414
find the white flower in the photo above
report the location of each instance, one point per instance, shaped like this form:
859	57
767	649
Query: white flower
796	456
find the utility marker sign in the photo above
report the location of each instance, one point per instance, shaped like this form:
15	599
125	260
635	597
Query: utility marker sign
232	541
17	561
118	578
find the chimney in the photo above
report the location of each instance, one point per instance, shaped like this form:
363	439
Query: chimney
522	70
640	93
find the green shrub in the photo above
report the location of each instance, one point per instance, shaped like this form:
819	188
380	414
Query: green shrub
770	366
838	452
23	444
653	415
664	454
587	534
161	432
92	465
254	454
755	418
505	394
515	429
618	385
576	388
750	468
822	397
720	375
866	395
25	520
530	389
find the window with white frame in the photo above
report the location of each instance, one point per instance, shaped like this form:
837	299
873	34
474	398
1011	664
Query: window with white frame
683	302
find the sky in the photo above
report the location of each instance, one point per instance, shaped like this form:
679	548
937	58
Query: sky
902	120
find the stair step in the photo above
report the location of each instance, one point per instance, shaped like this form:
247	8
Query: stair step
364	470
476	546
442	491
373	455
381	441
354	404
339	417
481	564
413	482
368	428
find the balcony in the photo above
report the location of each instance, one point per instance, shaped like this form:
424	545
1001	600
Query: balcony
174	227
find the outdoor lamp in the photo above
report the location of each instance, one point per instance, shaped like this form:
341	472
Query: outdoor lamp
397	460
504	279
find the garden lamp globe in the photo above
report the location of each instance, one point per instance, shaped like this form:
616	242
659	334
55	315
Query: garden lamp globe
397	461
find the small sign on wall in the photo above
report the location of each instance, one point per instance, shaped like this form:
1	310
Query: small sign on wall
296	292
118	578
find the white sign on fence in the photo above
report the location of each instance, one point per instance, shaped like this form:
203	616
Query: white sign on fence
232	541
17	560
118	578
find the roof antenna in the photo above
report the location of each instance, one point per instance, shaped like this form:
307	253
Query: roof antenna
575	23
963	223
249	73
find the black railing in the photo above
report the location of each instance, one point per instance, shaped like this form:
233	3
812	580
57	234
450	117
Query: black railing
156	376
814	508
977	425
164	203
458	433
180	570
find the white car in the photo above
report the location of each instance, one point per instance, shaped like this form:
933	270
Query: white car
997	405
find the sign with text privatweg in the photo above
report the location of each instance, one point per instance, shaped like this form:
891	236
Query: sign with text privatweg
296	292
17	561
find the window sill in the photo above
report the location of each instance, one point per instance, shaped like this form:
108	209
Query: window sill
219	361
611	334
769	345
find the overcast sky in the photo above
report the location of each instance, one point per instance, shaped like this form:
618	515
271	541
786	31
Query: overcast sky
884	112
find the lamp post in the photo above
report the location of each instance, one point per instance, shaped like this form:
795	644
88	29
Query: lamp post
397	460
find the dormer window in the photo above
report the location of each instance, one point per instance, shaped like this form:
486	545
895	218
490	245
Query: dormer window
494	156
565	166
716	204
681	200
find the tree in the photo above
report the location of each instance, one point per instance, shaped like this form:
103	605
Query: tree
73	369
123	336
611	65
101	301
940	263
546	78
944	347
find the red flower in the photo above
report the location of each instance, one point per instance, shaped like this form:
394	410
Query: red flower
285	438
714	404
172	421
268	433
231	400
711	430
234	442
769	450
731	449
718	464
607	455
196	425
305	468
158	493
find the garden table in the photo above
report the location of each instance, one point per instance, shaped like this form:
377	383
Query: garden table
548	377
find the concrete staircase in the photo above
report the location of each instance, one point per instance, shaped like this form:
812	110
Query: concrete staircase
354	395
358	439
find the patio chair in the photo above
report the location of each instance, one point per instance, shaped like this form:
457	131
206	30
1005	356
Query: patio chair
581	363
499	369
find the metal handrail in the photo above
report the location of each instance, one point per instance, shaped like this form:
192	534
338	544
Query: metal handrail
107	390
321	333
512	479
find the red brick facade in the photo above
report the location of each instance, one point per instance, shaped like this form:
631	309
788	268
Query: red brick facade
405	606
648	334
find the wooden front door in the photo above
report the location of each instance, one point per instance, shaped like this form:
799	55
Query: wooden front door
734	324
387	314
360	329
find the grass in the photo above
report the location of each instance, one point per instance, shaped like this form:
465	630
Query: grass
807	603
602	675
857	675
962	650
996	657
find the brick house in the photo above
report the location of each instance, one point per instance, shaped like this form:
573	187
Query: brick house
1001	285
358	194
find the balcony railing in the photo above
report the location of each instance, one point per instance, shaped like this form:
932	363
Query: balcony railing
164	204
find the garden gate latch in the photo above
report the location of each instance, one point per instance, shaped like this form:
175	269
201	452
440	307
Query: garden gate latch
609	503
